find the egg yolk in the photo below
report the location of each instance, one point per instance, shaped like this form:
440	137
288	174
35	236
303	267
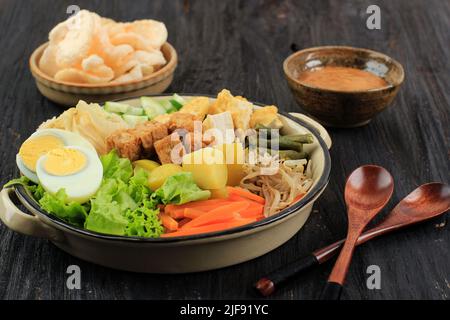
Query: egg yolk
64	161
35	147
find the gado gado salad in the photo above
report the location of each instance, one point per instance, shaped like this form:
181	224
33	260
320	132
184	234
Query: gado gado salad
169	167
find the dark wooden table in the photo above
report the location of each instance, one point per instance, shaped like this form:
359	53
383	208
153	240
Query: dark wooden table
240	45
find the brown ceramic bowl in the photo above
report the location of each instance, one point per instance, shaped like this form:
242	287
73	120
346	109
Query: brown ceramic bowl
68	93
343	108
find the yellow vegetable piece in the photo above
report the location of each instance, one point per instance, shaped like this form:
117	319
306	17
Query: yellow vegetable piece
221	193
234	154
159	175
147	165
208	168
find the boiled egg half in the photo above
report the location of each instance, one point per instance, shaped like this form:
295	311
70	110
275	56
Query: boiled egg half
40	143
77	170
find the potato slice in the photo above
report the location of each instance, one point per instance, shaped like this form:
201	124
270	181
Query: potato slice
207	167
160	174
234	155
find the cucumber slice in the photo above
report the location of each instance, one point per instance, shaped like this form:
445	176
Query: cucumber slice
134	120
116	107
151	107
179	99
176	104
135	111
168	106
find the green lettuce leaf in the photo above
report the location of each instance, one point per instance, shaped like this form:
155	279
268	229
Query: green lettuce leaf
35	189
106	217
58	205
137	186
144	222
23	181
116	167
180	188
122	205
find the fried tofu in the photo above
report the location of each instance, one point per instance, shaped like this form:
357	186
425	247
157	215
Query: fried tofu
150	132
266	116
127	144
198	107
181	121
241	110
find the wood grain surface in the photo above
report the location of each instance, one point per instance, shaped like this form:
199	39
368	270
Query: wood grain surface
240	45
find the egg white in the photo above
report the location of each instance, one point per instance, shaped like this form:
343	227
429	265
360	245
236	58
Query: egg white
25	171
80	186
68	138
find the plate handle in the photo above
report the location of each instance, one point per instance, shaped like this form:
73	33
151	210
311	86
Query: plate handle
322	131
19	221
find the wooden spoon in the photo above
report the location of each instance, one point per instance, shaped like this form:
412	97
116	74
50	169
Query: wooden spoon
367	191
425	202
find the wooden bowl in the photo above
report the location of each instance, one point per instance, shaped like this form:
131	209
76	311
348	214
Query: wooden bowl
68	93
343	108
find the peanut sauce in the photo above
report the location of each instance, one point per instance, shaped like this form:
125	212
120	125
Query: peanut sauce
341	79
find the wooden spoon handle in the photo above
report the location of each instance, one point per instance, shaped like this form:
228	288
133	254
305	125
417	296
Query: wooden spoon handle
340	269
333	288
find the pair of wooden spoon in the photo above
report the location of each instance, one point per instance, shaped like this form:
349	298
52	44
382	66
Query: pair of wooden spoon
367	191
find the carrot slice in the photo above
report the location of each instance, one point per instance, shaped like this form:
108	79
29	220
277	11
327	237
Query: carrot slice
177	214
252	211
209	228
220	214
246	194
207	208
204	205
193	213
170	208
235	197
168	222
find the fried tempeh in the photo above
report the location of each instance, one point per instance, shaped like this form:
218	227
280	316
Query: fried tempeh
126	142
149	133
183	144
164	148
